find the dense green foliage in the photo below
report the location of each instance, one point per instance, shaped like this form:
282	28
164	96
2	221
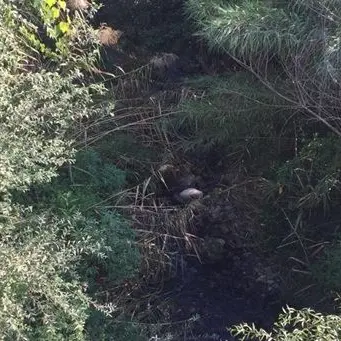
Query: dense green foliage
235	112
41	296
65	246
284	115
56	239
299	38
251	29
296	325
261	29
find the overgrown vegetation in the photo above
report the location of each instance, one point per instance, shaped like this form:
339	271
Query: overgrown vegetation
86	226
291	50
56	238
295	325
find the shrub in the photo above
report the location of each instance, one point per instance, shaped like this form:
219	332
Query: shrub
50	244
295	325
118	259
233	112
36	107
37	302
46	268
98	176
326	271
312	179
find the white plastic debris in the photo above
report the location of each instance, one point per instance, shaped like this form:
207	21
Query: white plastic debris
190	194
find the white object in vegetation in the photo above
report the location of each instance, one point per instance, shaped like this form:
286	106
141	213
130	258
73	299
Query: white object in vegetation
190	194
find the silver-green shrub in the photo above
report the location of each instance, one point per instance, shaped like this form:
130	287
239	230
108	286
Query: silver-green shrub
44	249
295	325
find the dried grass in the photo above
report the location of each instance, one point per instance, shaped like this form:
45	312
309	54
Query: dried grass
75	5
246	197
164	235
109	36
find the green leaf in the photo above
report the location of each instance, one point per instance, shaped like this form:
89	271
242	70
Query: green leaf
55	12
64	26
50	3
62	4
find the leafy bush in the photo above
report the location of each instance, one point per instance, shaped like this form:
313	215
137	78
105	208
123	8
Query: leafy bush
119	257
47	268
52	247
295	325
312	179
80	186
98	176
42	106
233	112
37	303
36	107
326	271
57	29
